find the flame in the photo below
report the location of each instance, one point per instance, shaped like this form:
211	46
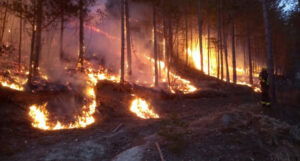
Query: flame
194	55
40	115
178	83
142	109
15	81
12	85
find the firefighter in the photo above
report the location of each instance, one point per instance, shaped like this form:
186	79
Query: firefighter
264	83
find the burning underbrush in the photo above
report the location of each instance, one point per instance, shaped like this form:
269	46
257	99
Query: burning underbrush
72	100
72	104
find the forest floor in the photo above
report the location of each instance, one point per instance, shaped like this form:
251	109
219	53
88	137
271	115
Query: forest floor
230	126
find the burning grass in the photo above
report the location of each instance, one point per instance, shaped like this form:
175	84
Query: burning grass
142	109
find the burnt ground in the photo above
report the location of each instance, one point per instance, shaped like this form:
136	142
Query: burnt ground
225	123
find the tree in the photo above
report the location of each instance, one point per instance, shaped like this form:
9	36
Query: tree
208	48
186	36
83	6
200	32
122	42
155	45
67	10
250	58
21	34
226	54
233	52
128	37
81	33
4	20
268	38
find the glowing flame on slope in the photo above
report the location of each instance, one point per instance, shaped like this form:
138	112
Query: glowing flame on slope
194	55
142	109
40	116
178	83
12	85
16	83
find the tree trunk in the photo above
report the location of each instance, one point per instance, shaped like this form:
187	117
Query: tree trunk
233	52
250	59
81	35
21	35
221	41
122	42
155	46
177	40
270	61
38	43
200	32
171	46
4	22
128	37
62	28
226	55
186	39
220	50
218	61
31	61
208	48
244	55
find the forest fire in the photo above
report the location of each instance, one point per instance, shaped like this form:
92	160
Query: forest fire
210	59
142	109
13	81
176	83
13	86
41	120
121	80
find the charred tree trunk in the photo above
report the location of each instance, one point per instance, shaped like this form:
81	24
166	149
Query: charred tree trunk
233	52
128	37
170	46
122	42
177	40
186	39
155	46
81	35
200	32
38	43
208	49
171	54
270	61
31	61
221	40
21	35
220	52
226	55
250	59
218	61
4	21
62	29
245	57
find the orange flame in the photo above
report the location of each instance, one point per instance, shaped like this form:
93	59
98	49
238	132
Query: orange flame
194	55
142	109
40	116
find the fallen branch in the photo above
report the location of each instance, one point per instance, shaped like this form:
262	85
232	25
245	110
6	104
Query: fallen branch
117	128
159	151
